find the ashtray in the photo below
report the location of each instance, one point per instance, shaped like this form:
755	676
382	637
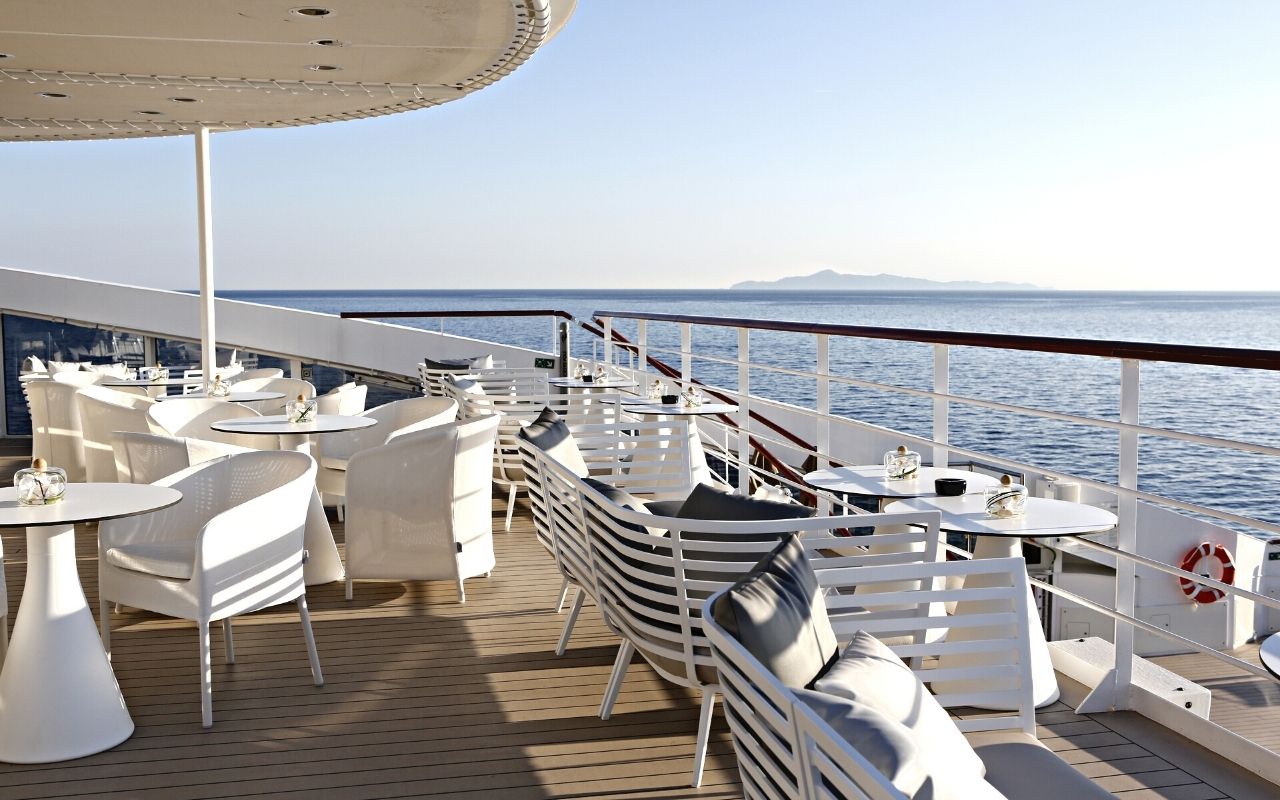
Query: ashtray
950	487
588	378
670	399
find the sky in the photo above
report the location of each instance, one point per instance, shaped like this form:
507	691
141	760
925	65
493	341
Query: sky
1075	145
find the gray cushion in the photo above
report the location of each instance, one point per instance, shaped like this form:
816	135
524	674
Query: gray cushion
883	742
664	508
777	613
623	498
868	672
1020	766
713	503
455	364
550	434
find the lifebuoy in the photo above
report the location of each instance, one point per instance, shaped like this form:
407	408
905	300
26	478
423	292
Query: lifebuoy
1198	591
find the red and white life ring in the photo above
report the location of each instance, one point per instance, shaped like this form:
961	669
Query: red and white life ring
1198	591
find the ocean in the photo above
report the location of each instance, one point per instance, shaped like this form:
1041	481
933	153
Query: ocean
1233	403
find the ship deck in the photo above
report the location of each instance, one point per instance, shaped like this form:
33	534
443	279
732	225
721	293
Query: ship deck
425	697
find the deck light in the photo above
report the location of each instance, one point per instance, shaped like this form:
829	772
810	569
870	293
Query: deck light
327	43
323	67
183	100
51	95
311	12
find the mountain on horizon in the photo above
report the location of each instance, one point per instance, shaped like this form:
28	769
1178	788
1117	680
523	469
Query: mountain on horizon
829	279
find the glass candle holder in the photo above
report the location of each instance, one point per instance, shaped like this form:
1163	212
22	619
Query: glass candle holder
691	398
219	387
655	390
901	464
40	484
1009	499
301	410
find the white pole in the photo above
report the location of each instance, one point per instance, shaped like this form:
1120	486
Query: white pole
204	209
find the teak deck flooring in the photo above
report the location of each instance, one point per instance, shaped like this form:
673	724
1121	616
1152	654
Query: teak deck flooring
425	697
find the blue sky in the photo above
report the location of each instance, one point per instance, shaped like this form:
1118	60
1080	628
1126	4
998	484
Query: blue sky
1083	145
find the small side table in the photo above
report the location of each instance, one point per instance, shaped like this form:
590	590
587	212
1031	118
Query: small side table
59	699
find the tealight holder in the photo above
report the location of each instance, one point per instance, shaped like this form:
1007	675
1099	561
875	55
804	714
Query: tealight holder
901	464
219	387
40	484
656	390
691	398
149	373
1009	499
301	410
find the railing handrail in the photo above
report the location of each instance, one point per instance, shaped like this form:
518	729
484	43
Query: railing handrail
514	312
1248	358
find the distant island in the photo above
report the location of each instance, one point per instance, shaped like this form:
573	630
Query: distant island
830	280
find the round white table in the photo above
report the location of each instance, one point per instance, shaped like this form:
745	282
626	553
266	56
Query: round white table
1269	654
59	699
323	563
607	383
871	481
1002	538
234	397
697	457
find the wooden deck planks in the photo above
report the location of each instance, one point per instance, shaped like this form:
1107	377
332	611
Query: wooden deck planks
426	697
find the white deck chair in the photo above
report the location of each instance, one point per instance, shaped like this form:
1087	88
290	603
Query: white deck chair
345	400
103	411
291	387
232	545
419	507
55	425
192	418
265	373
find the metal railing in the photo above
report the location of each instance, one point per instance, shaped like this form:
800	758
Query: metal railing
1128	355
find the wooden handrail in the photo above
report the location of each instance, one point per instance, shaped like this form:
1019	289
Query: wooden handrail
1247	358
514	312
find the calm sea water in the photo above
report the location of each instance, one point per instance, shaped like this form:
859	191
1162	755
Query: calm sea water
1233	403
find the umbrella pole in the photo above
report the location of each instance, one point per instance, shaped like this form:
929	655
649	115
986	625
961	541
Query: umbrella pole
204	207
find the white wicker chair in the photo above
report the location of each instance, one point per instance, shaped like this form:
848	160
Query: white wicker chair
266	374
397	418
345	400
102	412
55	425
419	507
232	545
192	418
148	457
290	387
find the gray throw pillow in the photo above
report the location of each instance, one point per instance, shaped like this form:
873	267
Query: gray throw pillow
777	613
883	742
550	434
455	364
712	503
621	497
868	672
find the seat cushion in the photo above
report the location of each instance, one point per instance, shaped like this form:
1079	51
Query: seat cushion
1020	766
458	364
868	672
550	434
713	503
663	508
625	499
164	559
777	613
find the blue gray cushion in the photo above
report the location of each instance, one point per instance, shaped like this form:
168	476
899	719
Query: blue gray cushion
550	434
713	503
776	612
455	364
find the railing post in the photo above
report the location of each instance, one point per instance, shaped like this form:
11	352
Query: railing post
642	347
1126	529
941	406
607	322
686	353
4	397
744	403
563	367
823	443
555	333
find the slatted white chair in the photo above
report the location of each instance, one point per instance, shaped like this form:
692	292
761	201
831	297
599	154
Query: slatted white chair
55	425
611	452
102	412
345	400
784	746
419	506
519	404
232	545
395	419
431	373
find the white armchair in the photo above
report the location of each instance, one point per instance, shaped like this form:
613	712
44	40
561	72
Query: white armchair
103	411
55	425
418	508
266	373
346	400
148	457
397	418
291	387
191	418
234	544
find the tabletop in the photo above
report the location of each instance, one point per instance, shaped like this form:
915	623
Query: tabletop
234	397
608	383
679	409
1043	518
279	424
1269	654
871	481
160	382
85	502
